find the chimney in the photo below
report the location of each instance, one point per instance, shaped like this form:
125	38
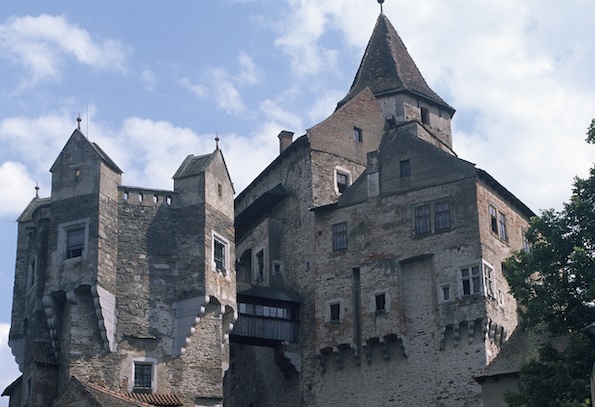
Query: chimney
285	140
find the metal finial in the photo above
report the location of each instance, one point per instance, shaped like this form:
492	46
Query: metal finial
78	119
217	142
380	2
36	189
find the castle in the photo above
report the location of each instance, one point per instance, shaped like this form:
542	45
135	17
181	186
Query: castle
363	266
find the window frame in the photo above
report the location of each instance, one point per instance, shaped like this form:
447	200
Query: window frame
218	239
475	281
405	168
144	361
373	302
423	219
64	230
358	135
440	215
342	172
329	314
340	236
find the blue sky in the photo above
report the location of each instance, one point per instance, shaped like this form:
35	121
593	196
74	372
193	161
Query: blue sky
154	81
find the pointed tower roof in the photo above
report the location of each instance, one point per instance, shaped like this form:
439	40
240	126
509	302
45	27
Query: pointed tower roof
387	68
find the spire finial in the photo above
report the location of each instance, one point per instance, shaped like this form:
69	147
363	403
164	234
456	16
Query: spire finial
217	141
78	119
36	189
380	2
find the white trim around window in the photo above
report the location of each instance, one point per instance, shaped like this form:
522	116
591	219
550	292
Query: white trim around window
72	245
220	254
144	361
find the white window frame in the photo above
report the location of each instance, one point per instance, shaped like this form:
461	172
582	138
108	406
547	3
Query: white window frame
327	310
216	237
442	297
470	277
372	298
346	173
63	230
146	361
489	282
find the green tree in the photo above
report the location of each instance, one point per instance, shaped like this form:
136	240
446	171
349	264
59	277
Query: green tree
554	284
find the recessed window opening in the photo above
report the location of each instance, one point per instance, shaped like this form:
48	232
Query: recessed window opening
335	311
77	172
425	115
340	236
168	200
31	273
442	216
502	224
445	292
75	242
405	167
488	273
219	190
260	265
144	379
471	280
219	256
422	220
155	199
380	302
126	195
342	182
140	197
358	135
493	219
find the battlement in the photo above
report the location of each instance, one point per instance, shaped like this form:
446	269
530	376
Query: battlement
145	196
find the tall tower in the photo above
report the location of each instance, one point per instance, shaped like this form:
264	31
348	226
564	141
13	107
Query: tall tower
394	245
124	288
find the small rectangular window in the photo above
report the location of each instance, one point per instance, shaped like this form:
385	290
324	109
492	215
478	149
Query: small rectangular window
358	135
493	219
425	115
75	242
526	244
342	181
335	311
442	216
220	256
471	280
31	270
445	292
260	265
340	236
143	375
488	274
502	224
405	167
422	220
380	302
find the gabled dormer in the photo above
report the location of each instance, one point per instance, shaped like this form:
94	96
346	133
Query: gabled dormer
398	85
83	168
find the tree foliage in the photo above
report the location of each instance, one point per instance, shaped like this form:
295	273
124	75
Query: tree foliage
554	284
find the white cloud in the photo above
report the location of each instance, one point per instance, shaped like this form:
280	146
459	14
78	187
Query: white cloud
149	78
17	186
222	86
10	371
42	44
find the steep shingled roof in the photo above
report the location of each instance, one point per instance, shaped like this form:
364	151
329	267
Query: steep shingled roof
522	347
387	68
